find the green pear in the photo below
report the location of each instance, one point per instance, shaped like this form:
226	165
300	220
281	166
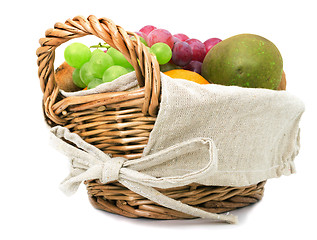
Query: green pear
245	60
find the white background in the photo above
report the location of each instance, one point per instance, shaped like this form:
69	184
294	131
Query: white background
32	206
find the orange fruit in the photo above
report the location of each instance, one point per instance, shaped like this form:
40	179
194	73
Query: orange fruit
186	74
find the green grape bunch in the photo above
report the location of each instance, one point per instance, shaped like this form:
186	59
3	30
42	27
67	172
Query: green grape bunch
95	67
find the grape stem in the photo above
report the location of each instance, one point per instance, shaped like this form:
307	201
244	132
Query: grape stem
101	45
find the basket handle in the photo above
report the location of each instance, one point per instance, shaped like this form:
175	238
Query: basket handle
145	64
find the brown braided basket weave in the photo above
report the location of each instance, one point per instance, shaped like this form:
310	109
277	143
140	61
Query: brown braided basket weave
119	123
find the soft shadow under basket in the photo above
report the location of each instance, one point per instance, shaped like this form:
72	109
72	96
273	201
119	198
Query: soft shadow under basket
119	123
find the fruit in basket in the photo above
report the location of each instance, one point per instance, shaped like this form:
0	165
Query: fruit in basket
86	74
99	62
181	36
162	52
198	48
282	85
186	52
77	80
168	66
94	83
186	74
194	66
118	58
245	60
182	53
113	73
160	35
172	52
63	78
210	43
147	29
76	54
97	50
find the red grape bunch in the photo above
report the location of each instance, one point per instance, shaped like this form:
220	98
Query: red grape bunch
187	53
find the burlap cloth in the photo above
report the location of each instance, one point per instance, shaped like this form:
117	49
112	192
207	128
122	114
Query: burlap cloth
208	134
256	131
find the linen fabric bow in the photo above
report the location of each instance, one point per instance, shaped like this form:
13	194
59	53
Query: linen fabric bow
88	163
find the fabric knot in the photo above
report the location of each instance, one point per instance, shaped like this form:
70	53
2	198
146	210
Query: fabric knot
111	169
89	163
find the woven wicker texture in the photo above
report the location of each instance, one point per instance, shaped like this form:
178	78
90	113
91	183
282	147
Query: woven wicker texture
117	199
119	123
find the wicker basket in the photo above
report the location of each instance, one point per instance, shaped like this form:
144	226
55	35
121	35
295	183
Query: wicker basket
120	123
